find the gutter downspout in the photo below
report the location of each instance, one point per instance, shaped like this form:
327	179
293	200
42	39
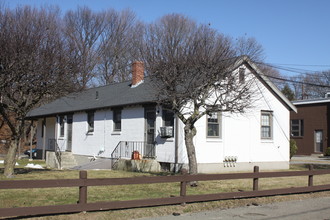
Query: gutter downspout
176	145
44	140
31	139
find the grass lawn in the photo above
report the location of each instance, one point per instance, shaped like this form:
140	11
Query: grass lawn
59	196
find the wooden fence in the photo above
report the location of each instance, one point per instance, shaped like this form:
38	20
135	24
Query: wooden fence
83	182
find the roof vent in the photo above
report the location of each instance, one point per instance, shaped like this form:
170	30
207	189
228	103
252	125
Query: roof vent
97	95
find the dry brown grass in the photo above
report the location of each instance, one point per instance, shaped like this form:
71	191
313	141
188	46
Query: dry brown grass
57	196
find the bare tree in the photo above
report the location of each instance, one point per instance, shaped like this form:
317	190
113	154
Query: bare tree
33	65
190	66
117	46
249	46
316	85
311	85
83	29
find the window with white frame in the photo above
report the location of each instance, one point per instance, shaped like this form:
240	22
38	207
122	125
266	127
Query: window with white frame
266	125
214	124
61	123
168	119
90	121
297	127
117	119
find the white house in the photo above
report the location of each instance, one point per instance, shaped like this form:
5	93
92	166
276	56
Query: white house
114	120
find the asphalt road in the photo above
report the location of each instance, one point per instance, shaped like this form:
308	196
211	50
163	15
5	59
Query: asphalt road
309	209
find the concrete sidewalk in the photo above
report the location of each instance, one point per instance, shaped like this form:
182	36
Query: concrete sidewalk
314	159
316	208
98	164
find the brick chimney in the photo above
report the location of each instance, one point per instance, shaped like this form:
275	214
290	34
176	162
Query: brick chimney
137	73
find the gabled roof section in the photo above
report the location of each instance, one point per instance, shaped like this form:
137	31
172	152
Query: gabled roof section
266	81
112	95
122	94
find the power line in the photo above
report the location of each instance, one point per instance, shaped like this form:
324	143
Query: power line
299	82
316	65
291	69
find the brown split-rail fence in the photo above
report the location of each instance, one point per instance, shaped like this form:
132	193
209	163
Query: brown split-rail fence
83	183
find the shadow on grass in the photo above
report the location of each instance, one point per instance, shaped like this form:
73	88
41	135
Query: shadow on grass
164	174
26	170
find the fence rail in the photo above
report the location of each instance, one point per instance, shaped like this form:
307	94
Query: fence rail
83	183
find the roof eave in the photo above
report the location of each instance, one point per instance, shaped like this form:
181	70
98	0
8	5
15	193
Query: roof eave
266	80
34	117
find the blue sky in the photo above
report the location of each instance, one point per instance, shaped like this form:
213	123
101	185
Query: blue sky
291	31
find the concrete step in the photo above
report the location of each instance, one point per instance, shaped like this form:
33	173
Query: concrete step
67	160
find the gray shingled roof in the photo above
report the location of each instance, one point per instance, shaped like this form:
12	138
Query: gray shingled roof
113	95
121	94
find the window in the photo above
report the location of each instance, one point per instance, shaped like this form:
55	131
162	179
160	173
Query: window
266	125
297	128
241	75
168	119
61	122
117	120
90	121
213	124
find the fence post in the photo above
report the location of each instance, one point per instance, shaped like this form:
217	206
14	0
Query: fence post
83	188
310	177
183	185
255	180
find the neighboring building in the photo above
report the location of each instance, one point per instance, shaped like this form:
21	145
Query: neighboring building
310	125
115	120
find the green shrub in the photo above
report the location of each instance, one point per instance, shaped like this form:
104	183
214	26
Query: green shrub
293	148
327	151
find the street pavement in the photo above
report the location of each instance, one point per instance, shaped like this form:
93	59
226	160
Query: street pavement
308	209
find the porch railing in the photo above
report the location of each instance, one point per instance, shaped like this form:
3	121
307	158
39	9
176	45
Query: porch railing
125	149
52	144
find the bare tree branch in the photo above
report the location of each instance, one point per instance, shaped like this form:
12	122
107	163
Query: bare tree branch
33	67
192	68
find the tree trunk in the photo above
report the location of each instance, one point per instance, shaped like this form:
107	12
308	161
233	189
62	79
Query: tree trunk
10	159
189	134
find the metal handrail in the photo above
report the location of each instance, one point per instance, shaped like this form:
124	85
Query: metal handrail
125	149
58	154
54	146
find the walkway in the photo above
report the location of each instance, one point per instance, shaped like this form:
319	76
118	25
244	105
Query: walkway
316	208
310	160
